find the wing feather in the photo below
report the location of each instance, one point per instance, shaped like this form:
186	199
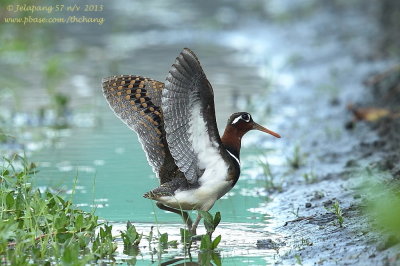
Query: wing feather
188	107
136	101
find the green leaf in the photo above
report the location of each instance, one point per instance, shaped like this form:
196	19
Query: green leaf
216	242
164	240
20	202
137	241
130	236
205	243
68	255
185	236
206	216
217	219
216	259
10	200
173	243
79	222
5	173
60	221
102	233
208	221
205	258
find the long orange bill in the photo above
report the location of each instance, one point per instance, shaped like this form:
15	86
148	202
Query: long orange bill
266	130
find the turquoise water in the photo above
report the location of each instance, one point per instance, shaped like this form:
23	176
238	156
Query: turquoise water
103	168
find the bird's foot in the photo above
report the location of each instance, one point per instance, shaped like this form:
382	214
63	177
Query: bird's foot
192	231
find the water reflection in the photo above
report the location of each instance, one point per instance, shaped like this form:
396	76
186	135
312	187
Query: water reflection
238	246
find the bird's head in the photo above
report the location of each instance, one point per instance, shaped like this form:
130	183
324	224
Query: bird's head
242	122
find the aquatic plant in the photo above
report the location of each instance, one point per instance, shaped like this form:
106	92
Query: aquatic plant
207	244
42	227
210	224
130	236
163	242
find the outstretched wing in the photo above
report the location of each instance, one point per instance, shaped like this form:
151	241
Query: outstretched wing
136	101
189	116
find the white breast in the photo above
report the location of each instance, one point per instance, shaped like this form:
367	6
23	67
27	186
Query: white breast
213	182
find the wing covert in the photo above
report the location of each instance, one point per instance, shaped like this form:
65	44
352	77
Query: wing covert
136	101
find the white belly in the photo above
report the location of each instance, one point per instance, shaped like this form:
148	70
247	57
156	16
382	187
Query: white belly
213	182
213	185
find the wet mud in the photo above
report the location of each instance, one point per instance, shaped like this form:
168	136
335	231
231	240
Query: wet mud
321	209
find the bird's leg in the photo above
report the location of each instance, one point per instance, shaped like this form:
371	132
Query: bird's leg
195	224
185	216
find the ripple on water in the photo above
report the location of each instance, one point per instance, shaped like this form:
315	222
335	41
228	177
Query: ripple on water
238	244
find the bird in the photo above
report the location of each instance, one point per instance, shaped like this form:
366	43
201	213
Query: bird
176	125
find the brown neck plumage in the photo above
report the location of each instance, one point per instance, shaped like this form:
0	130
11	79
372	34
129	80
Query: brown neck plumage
232	138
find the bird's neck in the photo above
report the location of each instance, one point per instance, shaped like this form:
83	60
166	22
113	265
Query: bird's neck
232	139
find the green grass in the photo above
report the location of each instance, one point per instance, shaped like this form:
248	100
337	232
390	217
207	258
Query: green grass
382	194
337	210
270	182
42	228
297	159
298	259
310	177
295	212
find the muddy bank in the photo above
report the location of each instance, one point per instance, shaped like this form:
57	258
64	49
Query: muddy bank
322	210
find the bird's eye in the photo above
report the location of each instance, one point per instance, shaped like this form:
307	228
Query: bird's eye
246	117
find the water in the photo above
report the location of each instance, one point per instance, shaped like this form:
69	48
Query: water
111	171
101	165
104	167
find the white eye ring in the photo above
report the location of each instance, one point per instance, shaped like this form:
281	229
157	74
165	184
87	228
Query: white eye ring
246	117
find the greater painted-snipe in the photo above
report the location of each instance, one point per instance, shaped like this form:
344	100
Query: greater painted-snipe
177	128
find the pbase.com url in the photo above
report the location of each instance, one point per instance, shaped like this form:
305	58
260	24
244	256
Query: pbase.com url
70	19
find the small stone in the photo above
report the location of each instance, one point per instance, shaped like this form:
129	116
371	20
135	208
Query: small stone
352	163
308	205
268	244
349	125
334	101
318	195
327	203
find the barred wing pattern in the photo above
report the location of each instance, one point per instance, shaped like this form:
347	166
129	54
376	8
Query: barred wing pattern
189	116
136	101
